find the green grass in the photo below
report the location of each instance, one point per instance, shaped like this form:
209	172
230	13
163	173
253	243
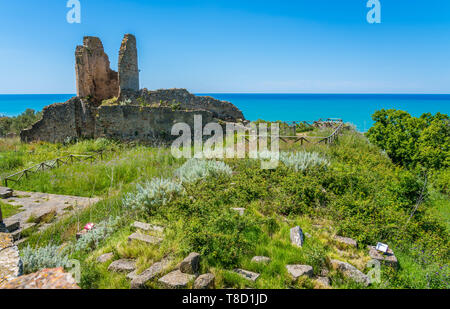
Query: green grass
8	210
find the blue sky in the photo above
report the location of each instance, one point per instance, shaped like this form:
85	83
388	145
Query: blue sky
303	46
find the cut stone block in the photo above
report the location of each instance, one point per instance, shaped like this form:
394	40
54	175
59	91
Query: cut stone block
12	226
261	259
247	274
204	282
46	279
122	265
297	236
297	271
241	211
351	272
10	262
324	282
17	235
105	257
5	193
139	281
176	280
388	258
145	238
346	241
148	227
190	264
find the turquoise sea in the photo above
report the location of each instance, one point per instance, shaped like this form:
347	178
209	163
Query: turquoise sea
354	108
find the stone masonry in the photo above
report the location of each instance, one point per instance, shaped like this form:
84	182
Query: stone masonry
95	79
128	65
109	104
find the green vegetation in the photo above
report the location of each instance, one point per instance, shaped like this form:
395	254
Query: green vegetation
351	189
8	210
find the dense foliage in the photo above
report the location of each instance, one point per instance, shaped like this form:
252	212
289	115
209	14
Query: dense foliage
18	123
411	141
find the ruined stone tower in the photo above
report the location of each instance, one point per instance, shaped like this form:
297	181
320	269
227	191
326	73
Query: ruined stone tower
94	77
128	65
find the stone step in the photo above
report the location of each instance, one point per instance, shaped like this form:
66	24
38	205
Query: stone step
147	227
297	271
123	265
176	280
12	226
249	275
261	259
145	238
6	193
139	281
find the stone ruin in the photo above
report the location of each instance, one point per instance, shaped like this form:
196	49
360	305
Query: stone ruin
109	104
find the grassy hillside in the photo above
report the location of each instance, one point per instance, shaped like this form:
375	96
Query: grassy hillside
350	189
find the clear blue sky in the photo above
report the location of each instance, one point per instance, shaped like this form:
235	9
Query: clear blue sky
312	46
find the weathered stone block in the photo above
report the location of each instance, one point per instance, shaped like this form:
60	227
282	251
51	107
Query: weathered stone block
346	241
5	193
54	279
351	271
148	227
249	275
297	271
145	238
297	236
206	281
105	257
190	265
139	281
123	265
10	262
176	280
128	65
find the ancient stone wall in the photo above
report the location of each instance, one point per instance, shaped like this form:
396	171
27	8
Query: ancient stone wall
94	77
144	124
185	100
128	65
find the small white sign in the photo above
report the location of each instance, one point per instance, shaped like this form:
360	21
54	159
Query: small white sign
382	247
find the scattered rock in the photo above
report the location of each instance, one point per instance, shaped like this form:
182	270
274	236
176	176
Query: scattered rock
241	211
388	258
324	282
351	271
324	272
297	236
147	227
176	280
346	241
297	271
5	193
190	264
145	238
261	259
204	282
122	265
105	257
139	281
247	274
55	279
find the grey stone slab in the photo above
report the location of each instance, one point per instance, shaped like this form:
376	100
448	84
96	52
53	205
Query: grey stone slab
387	258
351	272
176	280
105	257
123	265
261	259
145	238
324	281
148	227
297	236
297	271
5	193
206	281
139	281
346	241
249	275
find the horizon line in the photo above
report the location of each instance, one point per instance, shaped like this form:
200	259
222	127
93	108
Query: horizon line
321	93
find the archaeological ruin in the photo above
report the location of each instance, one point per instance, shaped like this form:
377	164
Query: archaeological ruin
110	104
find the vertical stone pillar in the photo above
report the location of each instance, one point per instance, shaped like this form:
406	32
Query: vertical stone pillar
128	65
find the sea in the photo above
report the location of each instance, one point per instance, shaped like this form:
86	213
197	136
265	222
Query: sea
352	108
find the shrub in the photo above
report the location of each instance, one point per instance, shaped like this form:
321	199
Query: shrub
196	169
93	238
46	257
153	194
301	161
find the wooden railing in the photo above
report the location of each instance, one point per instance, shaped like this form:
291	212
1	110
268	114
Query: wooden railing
66	160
